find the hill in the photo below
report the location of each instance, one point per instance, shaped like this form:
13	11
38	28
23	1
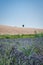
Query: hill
18	30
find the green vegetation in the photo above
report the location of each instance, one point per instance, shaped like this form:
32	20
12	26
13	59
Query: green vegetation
18	52
21	36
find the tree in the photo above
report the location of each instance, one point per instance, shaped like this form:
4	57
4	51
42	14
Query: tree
23	25
35	32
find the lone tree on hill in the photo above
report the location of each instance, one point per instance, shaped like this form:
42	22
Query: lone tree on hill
23	25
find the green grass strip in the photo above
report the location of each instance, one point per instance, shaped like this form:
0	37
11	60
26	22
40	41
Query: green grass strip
21	36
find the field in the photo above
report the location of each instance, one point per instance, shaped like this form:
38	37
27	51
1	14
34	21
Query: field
21	36
18	30
21	49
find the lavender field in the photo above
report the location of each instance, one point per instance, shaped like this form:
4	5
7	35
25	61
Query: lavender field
21	51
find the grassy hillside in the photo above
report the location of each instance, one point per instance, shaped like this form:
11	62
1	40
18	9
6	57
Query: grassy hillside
18	30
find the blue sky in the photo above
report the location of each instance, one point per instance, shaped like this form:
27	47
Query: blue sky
18	12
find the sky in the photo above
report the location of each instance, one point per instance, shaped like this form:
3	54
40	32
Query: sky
19	12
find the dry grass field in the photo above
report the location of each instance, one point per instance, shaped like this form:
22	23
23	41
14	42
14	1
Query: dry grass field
18	30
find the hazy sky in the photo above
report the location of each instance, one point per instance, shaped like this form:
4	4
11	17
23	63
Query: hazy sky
18	12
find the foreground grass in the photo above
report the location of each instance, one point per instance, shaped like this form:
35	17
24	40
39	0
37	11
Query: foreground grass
17	54
10	55
21	36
